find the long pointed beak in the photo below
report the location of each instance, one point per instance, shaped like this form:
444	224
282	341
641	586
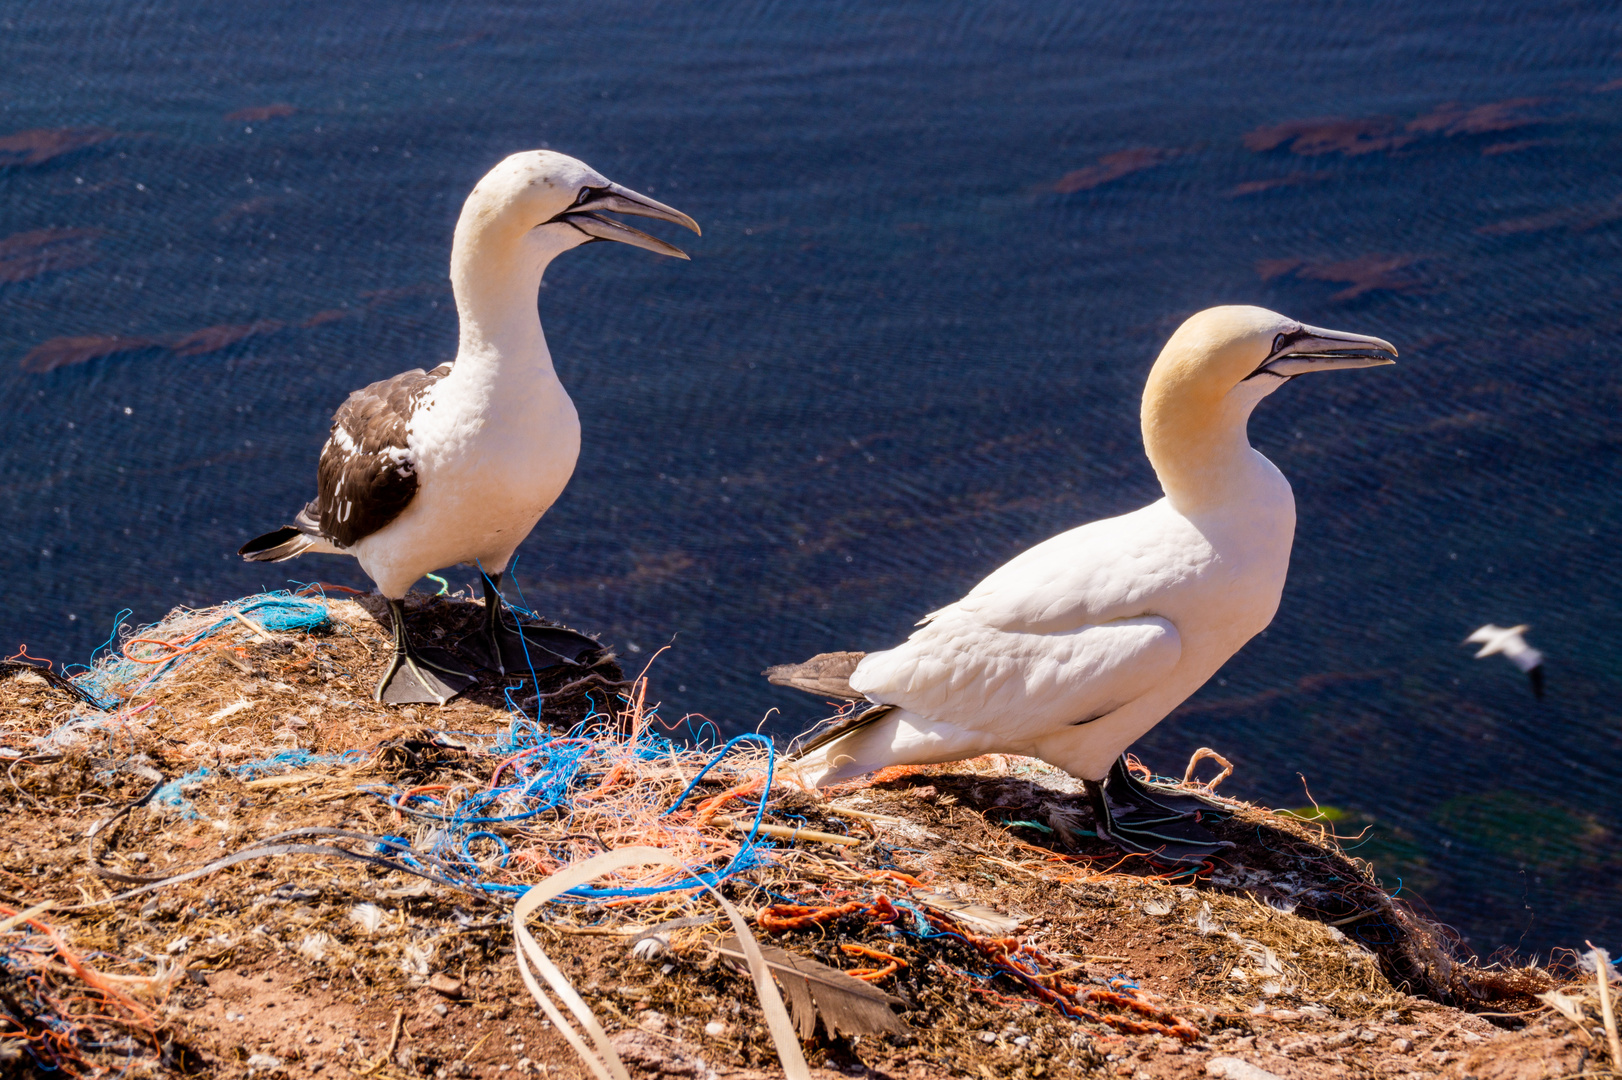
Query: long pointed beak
615	199
1314	349
601	228
621	200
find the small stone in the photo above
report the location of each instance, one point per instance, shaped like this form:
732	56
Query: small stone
1368	1036
441	1010
264	1061
440	983
1469	1036
652	1020
1023	1041
1402	1046
1236	1069
715	1029
988	1036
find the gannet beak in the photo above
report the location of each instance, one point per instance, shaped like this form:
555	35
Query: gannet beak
1296	352
619	200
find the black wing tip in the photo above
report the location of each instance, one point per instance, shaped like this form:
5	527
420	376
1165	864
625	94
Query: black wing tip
1535	676
268	548
838	729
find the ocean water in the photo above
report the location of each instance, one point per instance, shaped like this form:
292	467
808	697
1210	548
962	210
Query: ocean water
943	244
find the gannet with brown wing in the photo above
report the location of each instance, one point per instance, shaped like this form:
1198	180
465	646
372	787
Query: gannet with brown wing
1072	650
456	465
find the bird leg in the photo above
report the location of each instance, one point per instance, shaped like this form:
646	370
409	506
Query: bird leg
419	676
1146	829
1175	803
519	649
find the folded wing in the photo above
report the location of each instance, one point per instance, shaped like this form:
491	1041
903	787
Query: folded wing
1020	685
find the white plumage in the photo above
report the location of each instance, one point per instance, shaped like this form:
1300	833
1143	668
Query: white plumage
1508	643
456	465
1072	650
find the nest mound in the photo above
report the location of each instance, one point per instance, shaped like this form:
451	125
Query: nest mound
224	859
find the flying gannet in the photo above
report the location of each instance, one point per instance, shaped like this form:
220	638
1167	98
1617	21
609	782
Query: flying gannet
1509	643
456	465
1074	649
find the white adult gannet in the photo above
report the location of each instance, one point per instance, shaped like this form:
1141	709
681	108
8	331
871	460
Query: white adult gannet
1509	643
1072	650
456	465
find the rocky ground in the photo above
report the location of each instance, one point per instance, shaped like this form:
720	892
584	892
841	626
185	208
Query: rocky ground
321	953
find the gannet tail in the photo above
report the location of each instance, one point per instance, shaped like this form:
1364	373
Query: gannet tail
290	541
826	673
825	760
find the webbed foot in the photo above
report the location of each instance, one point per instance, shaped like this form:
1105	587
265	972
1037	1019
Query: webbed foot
424	676
1173	802
516	650
1146	828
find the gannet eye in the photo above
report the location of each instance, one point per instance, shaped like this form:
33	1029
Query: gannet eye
580	199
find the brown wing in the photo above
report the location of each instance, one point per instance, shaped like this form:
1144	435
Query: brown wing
368	474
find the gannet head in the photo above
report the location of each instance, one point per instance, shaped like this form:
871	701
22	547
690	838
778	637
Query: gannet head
1214	370
1216	352
559	201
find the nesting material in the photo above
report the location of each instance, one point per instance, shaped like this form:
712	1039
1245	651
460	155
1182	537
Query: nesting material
247	858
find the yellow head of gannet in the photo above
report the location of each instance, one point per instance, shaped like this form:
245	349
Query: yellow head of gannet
1209	377
1073	649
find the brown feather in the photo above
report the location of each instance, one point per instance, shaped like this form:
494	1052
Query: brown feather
986	920
846	1004
826	673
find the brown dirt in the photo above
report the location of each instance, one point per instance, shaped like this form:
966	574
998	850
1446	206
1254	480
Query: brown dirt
1286	955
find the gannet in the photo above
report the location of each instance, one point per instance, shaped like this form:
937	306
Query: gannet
1072	650
1510	643
456	465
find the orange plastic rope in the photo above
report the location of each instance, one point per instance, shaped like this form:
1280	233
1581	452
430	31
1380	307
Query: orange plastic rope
711	806
892	963
176	650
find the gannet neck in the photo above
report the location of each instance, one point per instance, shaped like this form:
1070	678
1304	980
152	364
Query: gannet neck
496	268
1195	435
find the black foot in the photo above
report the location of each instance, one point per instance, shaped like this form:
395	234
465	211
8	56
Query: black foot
414	679
1174	803
512	650
419	676
1146	829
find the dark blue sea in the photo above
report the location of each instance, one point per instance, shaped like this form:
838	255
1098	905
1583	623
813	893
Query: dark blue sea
943	244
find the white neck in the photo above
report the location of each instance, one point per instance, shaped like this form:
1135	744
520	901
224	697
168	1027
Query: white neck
496	271
1200	449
